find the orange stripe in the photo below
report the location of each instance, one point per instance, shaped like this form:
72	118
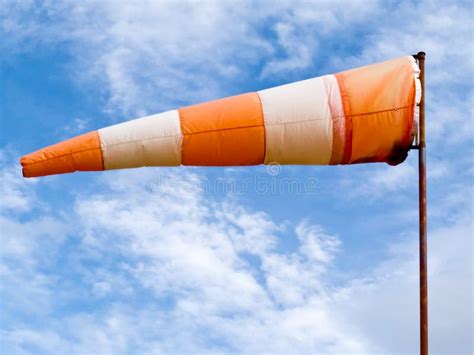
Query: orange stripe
378	103
81	153
228	131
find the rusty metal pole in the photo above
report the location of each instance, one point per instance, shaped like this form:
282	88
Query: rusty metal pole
422	205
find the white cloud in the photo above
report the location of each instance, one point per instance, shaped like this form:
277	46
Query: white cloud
150	56
381	179
75	127
304	29
145	57
183	247
444	32
16	195
389	296
160	272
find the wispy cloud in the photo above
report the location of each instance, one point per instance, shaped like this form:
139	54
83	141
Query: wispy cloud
158	272
153	56
16	194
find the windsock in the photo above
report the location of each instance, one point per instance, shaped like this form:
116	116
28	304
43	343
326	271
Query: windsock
367	114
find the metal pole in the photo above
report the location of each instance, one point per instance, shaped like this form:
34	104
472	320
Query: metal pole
422	204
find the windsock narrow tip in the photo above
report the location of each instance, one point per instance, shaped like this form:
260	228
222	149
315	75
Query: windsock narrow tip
81	153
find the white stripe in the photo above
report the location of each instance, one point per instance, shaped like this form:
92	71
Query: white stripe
298	124
149	141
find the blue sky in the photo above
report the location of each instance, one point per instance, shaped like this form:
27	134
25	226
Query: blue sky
112	262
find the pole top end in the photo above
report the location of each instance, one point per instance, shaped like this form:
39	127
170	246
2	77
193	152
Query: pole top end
419	55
